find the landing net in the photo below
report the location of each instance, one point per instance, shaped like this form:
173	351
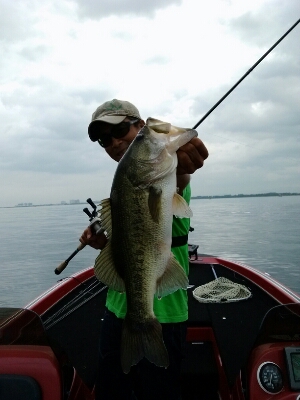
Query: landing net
221	290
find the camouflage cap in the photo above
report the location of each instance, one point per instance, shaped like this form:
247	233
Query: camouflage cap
115	111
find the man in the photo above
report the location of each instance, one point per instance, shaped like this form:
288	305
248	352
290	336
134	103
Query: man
114	125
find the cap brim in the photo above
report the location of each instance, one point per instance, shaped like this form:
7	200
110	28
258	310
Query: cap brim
111	119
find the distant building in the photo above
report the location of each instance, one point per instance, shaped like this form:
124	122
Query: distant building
63	202
74	202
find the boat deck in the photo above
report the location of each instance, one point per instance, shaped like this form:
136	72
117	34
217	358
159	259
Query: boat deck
223	325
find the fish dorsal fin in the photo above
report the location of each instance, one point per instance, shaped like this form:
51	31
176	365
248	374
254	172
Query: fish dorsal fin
158	126
164	127
173	278
105	216
105	270
154	203
180	207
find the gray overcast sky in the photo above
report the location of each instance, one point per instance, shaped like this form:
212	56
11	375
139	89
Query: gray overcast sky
173	59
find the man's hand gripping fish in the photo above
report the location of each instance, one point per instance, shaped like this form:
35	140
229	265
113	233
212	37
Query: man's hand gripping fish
137	217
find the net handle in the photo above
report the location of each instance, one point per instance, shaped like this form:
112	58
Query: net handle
213	270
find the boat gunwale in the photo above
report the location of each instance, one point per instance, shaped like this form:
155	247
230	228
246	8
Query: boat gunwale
274	288
63	287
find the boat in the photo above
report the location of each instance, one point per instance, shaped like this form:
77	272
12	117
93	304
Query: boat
238	348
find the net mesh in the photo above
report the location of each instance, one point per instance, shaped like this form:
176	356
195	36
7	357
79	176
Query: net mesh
221	290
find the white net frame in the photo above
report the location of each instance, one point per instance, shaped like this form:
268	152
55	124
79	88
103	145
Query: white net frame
221	290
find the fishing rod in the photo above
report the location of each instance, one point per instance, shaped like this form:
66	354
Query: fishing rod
95	221
95	226
244	76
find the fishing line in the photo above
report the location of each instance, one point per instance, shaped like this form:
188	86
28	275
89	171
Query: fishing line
243	144
63	265
233	141
246	74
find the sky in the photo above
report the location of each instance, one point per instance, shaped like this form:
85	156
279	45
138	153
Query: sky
173	59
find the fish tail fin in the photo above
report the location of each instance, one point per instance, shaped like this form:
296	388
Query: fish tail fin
142	340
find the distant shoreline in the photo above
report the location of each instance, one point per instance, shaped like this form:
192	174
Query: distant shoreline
47	205
225	196
235	196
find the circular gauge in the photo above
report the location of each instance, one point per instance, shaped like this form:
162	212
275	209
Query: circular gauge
269	377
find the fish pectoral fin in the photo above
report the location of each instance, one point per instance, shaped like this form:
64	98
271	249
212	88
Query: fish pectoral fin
180	207
142	340
154	203
106	272
105	216
173	278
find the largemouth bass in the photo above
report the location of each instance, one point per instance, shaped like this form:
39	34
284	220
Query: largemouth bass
138	220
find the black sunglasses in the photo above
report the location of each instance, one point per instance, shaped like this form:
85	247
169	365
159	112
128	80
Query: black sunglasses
117	132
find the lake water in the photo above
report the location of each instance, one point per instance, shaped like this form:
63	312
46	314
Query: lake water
262	232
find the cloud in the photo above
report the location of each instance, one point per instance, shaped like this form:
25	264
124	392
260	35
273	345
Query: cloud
33	53
267	100
261	25
170	61
47	130
106	8
158	59
15	21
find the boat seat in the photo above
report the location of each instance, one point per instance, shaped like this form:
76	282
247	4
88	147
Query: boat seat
200	370
29	372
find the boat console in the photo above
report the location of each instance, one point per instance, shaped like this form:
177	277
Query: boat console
274	365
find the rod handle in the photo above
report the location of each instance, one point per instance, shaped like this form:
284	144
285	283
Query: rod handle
63	265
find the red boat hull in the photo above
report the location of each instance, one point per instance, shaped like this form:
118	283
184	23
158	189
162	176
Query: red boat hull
225	345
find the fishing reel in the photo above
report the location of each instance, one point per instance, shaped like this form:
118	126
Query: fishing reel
95	223
96	228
